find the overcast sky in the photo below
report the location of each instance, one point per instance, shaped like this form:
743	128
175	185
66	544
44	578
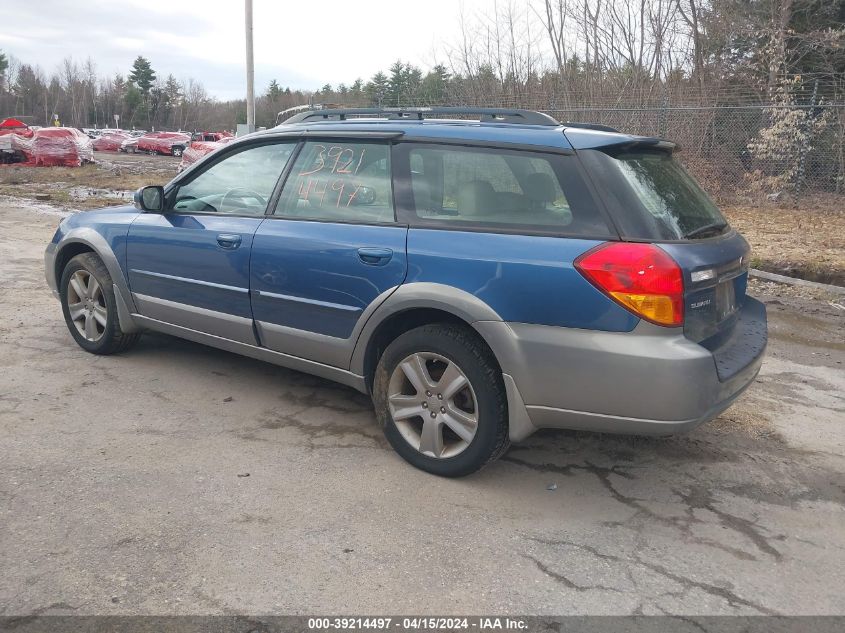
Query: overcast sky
303	44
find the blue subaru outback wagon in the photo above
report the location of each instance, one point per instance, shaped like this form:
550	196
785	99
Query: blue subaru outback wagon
480	273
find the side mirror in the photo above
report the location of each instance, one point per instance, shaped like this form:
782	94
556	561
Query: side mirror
150	198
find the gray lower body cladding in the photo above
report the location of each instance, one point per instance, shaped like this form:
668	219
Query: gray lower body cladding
649	381
652	380
50	269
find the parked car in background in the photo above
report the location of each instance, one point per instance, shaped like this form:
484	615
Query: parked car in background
129	145
211	137
169	143
198	149
110	140
53	146
479	279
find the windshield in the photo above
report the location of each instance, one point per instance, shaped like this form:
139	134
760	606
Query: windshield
655	198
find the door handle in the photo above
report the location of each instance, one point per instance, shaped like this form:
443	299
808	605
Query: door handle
375	256
229	240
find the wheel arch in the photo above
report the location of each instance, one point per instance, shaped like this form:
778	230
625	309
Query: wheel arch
68	252
87	240
411	306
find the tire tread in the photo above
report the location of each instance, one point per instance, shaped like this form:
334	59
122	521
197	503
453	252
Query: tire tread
465	338
119	341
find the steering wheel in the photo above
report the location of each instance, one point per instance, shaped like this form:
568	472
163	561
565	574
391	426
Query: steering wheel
188	207
241	193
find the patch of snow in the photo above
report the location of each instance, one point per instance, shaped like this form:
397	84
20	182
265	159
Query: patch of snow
36	207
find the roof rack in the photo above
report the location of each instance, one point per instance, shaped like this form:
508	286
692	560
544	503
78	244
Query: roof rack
591	126
486	115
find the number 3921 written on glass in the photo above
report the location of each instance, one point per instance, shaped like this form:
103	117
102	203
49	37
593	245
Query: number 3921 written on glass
330	178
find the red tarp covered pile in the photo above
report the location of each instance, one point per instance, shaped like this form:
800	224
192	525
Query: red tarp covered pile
14	126
53	146
198	149
110	141
162	142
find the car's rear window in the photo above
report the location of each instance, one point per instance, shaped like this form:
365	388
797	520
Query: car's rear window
502	190
652	196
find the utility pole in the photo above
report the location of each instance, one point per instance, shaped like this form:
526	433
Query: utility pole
250	70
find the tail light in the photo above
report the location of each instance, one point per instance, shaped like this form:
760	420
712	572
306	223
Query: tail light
640	277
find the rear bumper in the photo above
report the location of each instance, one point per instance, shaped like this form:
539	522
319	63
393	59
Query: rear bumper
652	381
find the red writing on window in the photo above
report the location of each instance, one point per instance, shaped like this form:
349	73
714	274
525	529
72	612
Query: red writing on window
329	178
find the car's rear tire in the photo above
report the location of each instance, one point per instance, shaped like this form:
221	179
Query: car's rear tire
177	151
440	398
88	304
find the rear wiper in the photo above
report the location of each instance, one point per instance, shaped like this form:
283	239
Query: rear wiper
707	228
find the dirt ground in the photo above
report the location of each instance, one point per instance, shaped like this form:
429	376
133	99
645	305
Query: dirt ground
178	479
808	242
111	180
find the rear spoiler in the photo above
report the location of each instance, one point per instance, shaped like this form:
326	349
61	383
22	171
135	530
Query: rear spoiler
658	143
592	137
646	142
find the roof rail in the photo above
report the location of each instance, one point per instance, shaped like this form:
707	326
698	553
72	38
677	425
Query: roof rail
293	110
486	115
591	126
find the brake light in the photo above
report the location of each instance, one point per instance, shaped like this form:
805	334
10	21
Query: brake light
640	277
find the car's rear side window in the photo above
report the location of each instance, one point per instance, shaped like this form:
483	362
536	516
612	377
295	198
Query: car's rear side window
500	189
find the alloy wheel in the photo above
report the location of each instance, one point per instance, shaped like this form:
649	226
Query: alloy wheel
433	405
86	305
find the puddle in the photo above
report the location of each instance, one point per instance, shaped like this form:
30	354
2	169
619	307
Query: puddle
84	193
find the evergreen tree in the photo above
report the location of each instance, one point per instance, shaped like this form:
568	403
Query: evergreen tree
413	83
28	89
434	86
396	84
142	75
377	88
274	91
4	64
135	107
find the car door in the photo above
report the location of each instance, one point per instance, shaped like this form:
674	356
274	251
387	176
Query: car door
330	252
189	265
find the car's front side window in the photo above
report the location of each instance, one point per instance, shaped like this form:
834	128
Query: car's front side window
240	184
338	181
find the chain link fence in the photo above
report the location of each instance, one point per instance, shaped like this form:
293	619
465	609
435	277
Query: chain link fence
743	151
787	147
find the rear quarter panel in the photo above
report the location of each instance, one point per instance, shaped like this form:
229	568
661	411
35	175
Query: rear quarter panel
524	279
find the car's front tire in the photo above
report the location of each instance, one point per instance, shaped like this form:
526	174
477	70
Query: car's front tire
177	151
88	303
440	398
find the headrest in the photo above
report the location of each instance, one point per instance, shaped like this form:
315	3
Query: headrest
476	198
540	188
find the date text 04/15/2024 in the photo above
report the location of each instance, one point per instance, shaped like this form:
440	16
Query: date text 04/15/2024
428	623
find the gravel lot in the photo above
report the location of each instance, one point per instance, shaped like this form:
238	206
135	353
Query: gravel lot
177	479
